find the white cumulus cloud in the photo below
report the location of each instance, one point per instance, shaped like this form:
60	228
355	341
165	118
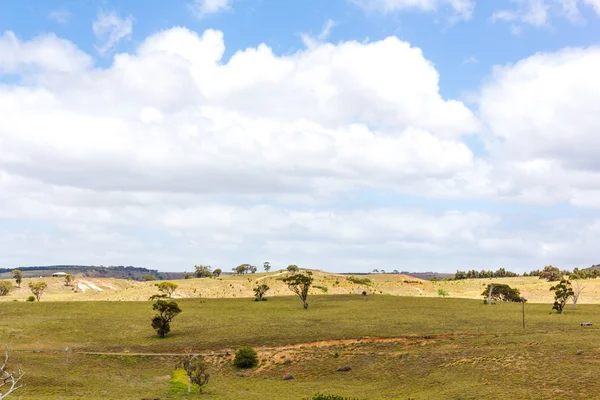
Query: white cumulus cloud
110	29
462	8
202	8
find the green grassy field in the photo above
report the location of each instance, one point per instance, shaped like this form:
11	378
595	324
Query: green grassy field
398	348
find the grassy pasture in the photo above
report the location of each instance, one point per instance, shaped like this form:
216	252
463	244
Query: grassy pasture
441	348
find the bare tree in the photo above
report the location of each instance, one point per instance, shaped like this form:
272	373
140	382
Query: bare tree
9	381
578	287
489	301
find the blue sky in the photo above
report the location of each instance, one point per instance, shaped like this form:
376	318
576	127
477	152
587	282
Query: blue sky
453	134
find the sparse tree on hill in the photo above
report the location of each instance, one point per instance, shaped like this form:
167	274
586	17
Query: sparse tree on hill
260	290
242	269
167	310
300	284
197	370
267	266
501	292
9	380
168	288
563	291
187	275
217	272
37	288
252	269
578	287
551	274
18	277
203	271
5	287
69	279
293	268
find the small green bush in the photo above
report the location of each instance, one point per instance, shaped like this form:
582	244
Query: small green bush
245	357
442	292
31	298
359	281
320	396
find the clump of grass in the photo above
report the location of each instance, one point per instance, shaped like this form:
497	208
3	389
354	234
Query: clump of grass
359	281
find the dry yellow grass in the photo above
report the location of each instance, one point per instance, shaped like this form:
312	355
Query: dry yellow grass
110	289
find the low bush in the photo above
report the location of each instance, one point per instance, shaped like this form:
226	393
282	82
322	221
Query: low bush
359	281
320	396
31	298
245	357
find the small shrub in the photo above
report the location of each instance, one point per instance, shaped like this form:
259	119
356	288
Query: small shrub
245	357
320	396
359	281
364	293
31	298
5	287
442	292
324	289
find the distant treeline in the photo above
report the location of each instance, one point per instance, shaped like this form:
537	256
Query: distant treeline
587	273
90	271
81	268
473	274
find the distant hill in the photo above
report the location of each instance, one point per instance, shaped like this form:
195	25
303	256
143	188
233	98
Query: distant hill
92	271
429	275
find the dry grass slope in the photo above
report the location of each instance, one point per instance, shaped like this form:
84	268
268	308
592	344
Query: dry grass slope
240	286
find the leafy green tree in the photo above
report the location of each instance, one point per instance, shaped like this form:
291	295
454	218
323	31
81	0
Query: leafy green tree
293	268
252	269
563	291
197	370
168	288
217	272
69	279
460	275
551	274
260	291
18	277
245	357
148	278
267	266
5	287
300	284
187	276
167	310
242	269
502	292
37	288
203	271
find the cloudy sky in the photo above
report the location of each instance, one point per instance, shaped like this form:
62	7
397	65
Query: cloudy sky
345	135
